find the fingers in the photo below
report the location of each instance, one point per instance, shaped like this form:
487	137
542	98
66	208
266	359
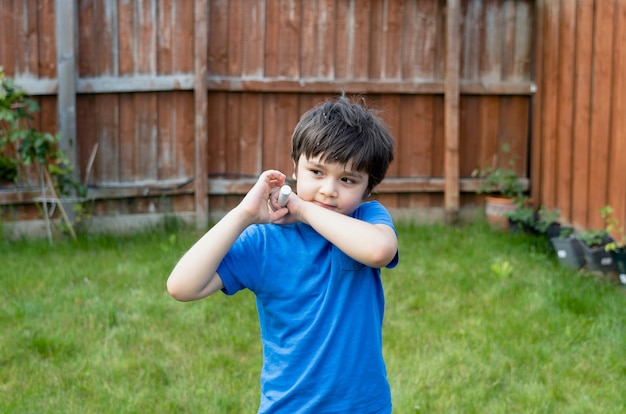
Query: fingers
278	215
260	203
273	177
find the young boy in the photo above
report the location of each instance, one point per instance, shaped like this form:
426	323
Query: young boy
314	266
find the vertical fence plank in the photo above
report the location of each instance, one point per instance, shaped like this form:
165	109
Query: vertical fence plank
126	67
617	172
550	82
201	186
472	143
107	113
166	101
537	103
420	39
438	146
513	118
344	33
183	36
283	38
166	43
280	116
47	39
87	42
525	32
317	48
107	167
562	169
146	123
108	38
6	33
126	39
451	192
376	46
509	21
251	134
440	41
392	32
235	38
254	38
234	119
497	40
471	50
490	133
216	140
217	26
416	121
361	53
27	51
600	112
582	102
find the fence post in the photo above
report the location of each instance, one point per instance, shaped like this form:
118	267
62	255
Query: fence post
201	185
65	25
451	110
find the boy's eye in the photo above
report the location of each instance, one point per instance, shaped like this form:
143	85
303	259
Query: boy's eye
348	180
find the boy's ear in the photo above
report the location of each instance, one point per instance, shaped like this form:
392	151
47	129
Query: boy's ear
295	168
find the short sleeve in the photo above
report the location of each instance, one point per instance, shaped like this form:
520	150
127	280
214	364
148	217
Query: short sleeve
238	268
375	213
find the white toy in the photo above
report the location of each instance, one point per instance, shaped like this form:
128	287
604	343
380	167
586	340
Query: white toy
283	196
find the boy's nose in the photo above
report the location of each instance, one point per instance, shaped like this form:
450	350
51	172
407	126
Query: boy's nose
328	188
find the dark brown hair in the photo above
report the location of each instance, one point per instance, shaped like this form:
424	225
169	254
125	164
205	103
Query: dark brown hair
342	131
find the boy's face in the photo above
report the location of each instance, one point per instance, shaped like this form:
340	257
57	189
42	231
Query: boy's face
330	185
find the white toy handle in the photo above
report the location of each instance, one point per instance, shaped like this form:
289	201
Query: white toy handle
283	196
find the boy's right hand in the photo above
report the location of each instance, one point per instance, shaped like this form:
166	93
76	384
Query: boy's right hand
257	206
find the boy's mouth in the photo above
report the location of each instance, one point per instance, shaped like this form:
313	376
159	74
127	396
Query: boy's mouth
327	206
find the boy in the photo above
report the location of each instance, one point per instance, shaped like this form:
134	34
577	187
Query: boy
314	266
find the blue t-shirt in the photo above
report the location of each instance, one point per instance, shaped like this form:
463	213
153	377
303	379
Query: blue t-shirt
321	316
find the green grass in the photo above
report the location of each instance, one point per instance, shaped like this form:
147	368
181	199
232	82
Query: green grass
476	322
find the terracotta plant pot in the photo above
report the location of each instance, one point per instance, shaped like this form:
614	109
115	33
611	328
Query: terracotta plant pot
495	209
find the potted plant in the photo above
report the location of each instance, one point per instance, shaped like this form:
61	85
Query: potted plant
502	188
593	242
523	218
617	247
568	249
23	148
547	222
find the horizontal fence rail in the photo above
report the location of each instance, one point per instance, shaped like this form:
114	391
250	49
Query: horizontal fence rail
182	82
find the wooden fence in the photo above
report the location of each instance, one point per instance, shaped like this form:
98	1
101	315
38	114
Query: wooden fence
190	100
579	130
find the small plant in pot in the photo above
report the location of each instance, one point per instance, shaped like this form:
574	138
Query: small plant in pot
593	242
547	222
617	247
523	218
502	188
568	248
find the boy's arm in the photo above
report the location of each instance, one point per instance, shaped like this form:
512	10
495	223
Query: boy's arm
374	245
195	276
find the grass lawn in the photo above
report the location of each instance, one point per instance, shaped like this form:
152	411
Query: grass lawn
476	322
